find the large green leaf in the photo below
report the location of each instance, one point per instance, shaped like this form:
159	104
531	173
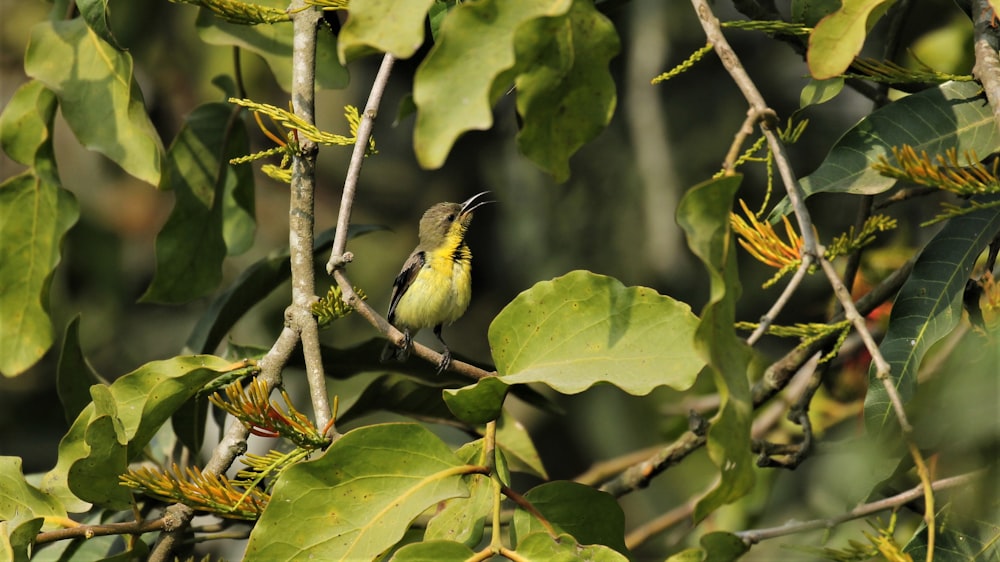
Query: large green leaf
273	42
452	87
928	307
703	213
952	115
565	93
97	93
358	499
591	516
388	26
119	423
838	37
35	213
581	329
191	246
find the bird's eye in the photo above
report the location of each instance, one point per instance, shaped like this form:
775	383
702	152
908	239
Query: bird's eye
451	217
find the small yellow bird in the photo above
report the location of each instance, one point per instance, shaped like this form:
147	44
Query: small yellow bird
435	284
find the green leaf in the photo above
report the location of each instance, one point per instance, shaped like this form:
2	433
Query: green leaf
20	499
589	515
358	499
191	246
273	43
387	26
838	37
540	547
703	213
97	94
928	307
74	374
963	538
581	329
433	551
565	94
477	403
26	123
35	214
952	115
464	519
119	423
452	86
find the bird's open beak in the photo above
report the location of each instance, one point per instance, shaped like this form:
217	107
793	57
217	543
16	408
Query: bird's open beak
471	204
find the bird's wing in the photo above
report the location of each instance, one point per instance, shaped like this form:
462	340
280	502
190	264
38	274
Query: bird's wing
403	281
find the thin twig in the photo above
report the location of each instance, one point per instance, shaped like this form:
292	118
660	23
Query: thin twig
757	535
767	319
337	255
90	531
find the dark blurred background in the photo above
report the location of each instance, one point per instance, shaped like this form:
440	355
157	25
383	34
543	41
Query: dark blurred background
614	216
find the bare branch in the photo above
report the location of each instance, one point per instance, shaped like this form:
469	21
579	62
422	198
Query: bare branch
757	535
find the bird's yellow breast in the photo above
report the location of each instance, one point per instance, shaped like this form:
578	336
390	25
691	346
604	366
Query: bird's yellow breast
441	290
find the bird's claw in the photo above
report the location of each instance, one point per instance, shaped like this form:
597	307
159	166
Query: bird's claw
445	361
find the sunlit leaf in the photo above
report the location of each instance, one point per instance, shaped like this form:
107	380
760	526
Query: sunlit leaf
952	115
565	94
18	498
517	446
928	307
838	37
704	213
119	423
35	214
581	329
387	26
358	499
97	94
452	86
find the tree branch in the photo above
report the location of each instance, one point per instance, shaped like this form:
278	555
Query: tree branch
755	536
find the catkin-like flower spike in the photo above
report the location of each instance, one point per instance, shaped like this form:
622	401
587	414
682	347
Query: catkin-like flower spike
240	12
329	4
684	66
332	306
200	491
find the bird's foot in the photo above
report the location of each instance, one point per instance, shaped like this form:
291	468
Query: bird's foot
445	361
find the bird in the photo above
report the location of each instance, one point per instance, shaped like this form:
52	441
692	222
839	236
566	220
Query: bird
434	287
